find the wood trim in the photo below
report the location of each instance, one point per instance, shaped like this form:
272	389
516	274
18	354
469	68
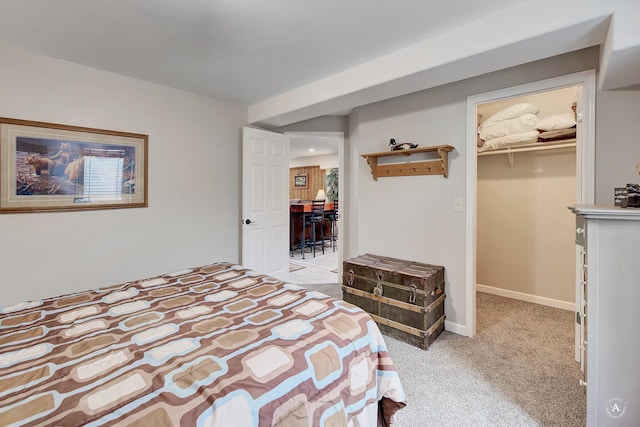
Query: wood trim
435	326
408	168
397	325
434	304
408	329
385	300
394	302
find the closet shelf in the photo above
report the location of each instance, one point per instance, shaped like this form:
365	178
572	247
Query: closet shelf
536	146
409	168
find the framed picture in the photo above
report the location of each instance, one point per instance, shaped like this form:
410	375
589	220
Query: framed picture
300	181
53	167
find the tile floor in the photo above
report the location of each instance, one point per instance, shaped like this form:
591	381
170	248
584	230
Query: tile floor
321	269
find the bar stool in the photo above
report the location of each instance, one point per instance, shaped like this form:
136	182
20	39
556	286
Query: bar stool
315	219
332	217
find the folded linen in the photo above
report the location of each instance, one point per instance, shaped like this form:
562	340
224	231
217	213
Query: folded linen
524	123
509	140
510	112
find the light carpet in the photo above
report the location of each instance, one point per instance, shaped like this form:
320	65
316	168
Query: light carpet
519	370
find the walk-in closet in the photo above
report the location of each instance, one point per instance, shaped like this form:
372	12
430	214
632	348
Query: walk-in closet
526	179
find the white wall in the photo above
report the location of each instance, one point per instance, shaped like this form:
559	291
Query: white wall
194	182
413	217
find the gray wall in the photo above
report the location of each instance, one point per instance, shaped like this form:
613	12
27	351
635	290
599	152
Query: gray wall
194	182
617	141
413	217
319	124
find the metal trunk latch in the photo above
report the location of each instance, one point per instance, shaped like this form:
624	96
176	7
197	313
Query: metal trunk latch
378	290
413	290
350	275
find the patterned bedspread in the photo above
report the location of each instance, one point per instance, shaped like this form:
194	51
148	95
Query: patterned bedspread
217	345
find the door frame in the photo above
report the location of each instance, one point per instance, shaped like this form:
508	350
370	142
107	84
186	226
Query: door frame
585	164
341	186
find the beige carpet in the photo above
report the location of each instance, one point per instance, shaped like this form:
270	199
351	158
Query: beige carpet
518	370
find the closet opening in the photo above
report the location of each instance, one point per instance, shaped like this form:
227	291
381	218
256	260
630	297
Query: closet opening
507	173
530	155
526	179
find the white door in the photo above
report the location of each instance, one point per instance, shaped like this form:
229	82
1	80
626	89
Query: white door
265	202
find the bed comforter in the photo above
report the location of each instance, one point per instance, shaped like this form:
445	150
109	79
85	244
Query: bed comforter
217	345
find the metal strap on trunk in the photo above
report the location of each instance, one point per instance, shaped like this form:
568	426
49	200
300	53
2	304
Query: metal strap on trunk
351	276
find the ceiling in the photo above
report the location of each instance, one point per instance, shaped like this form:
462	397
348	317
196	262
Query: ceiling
301	144
239	51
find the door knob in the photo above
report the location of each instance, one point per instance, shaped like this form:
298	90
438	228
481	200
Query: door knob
248	221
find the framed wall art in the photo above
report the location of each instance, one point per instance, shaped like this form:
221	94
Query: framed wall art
300	181
53	167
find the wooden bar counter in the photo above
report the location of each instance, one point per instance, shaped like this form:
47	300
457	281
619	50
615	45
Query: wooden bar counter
298	213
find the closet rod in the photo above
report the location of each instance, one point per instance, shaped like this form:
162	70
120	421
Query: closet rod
541	146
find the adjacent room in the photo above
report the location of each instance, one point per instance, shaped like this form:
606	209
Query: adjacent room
314	175
337	213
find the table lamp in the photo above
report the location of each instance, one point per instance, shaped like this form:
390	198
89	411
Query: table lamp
321	195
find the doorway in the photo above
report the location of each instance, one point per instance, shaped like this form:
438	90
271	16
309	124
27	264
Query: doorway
314	156
525	236
585	163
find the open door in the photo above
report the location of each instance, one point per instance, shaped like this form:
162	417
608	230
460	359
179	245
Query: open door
265	208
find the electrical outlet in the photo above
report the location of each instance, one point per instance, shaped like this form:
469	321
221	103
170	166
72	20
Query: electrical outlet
457	204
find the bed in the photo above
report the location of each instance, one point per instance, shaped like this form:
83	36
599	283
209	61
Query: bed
216	345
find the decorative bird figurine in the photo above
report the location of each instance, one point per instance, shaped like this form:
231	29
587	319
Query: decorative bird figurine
404	146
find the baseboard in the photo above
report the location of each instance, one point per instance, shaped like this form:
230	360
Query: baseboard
456	328
550	302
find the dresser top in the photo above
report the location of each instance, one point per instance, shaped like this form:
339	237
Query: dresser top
606	212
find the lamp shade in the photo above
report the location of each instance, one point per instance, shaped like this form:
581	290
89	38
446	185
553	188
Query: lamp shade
321	195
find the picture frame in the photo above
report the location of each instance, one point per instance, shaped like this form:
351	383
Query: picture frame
47	167
300	181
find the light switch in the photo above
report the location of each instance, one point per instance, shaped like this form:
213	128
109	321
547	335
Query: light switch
457	204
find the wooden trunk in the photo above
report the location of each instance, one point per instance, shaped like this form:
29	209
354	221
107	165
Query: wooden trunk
405	298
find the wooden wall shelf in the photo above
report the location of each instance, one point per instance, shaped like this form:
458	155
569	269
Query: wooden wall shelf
409	168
